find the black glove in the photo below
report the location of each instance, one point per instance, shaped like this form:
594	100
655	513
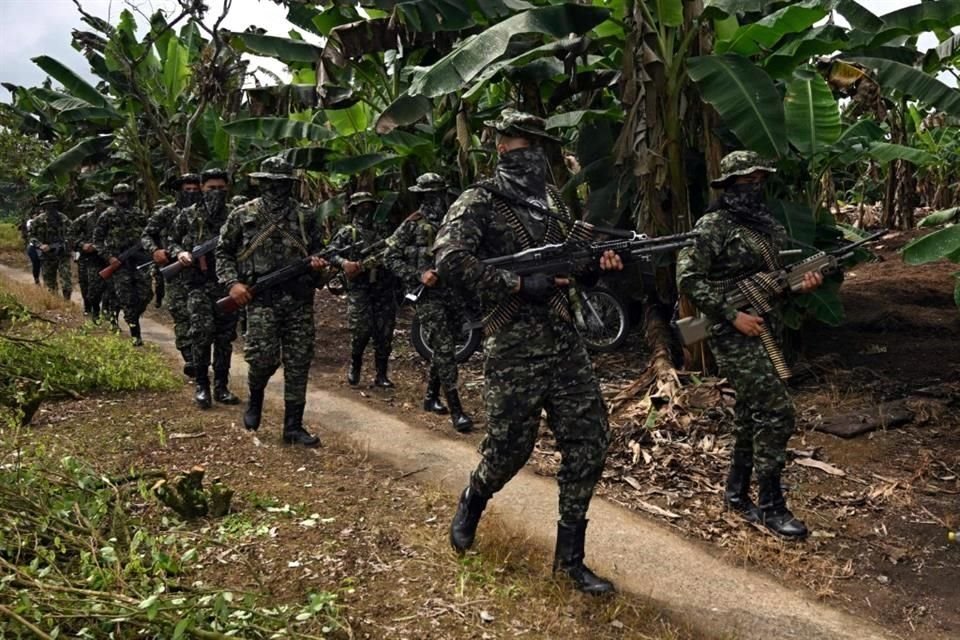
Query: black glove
537	287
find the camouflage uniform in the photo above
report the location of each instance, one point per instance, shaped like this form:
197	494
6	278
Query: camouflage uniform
209	328
371	295
261	236
733	237
535	360
155	236
119	228
89	264
51	228
409	255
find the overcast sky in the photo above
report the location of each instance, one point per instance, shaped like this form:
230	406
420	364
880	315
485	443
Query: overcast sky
29	28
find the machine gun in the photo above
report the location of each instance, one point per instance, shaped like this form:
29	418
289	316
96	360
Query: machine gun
53	248
199	254
281	276
755	292
123	259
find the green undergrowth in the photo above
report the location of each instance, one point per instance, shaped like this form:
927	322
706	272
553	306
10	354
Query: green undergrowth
43	357
10	239
83	555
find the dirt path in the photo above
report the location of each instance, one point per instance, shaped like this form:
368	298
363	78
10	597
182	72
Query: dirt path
642	557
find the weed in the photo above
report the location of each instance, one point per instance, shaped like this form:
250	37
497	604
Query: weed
10	239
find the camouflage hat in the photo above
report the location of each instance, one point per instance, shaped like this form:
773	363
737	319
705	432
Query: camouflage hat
741	163
100	198
186	178
122	187
361	197
518	124
274	168
429	183
50	199
87	203
238	200
215	173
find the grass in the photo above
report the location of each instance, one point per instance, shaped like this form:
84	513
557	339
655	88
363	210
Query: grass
10	239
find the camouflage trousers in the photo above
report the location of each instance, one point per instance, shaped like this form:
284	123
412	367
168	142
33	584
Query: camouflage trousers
441	321
176	299
133	292
280	332
54	267
764	412
88	274
208	327
110	306
372	314
516	390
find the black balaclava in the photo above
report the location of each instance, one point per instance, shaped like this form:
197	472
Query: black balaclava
188	198
433	206
524	171
215	201
276	193
746	203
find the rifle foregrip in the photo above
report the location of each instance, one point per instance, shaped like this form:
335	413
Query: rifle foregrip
227	305
107	272
170	271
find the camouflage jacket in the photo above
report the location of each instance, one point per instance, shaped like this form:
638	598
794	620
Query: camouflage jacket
82	230
350	234
474	230
193	226
724	251
409	250
158	227
117	230
46	229
296	234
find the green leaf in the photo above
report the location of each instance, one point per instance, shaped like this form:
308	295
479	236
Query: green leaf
506	66
746	99
403	111
956	292
937	218
886	152
176	72
181	628
939	15
913	83
474	54
812	113
75	156
933	246
825	304
347	122
73	83
572	119
284	49
761	35
798	49
858	16
797	219
714	9
357	164
670	12
278	129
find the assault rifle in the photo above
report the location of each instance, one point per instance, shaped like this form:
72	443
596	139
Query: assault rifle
199	254
128	254
288	273
756	291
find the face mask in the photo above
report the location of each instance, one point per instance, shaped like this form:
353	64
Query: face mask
188	198
215	200
434	207
525	170
751	190
122	202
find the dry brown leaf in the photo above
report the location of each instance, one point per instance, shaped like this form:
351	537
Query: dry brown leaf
826	467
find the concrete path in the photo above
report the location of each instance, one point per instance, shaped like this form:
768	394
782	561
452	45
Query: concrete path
640	556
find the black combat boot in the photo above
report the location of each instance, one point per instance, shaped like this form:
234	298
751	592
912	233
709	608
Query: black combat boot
431	401
736	495
463	529
86	307
66	295
251	417
460	420
95	312
382	380
202	394
568	558
115	322
353	374
220	391
773	511
135	333
293	431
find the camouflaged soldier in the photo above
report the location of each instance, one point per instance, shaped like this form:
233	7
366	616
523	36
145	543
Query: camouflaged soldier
155	237
209	328
409	255
263	235
89	262
738	237
534	357
238	201
49	233
371	290
119	228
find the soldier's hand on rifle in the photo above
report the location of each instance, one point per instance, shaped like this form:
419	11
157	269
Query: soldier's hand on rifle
317	263
610	261
240	294
351	268
539	287
44	248
160	257
748	325
114	261
88	248
811	280
429	278
185	258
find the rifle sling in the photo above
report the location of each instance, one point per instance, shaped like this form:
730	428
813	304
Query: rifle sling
261	237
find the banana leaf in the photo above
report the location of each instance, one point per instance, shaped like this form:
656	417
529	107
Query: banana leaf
799	48
285	49
403	111
718	9
913	83
762	35
176	72
886	152
75	157
278	129
477	52
933	246
746	99
941	217
812	113
73	83
929	15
